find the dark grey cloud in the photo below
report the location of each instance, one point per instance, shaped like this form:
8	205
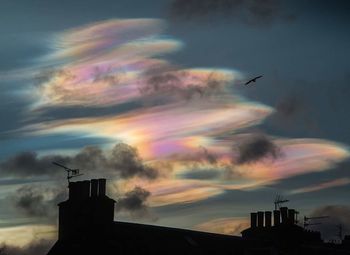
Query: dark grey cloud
255	148
338	215
209	157
107	75
294	111
134	202
172	84
38	201
30	164
255	12
289	106
128	162
307	108
122	160
37	247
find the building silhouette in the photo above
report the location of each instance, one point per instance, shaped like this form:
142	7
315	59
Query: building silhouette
87	226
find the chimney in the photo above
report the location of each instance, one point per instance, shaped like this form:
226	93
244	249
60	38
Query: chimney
83	216
284	214
72	190
260	219
79	190
94	187
268	219
101	187
291	216
85	189
253	220
276	217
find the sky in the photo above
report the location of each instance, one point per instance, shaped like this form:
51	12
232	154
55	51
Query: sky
151	95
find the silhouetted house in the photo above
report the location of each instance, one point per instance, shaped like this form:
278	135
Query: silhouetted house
283	229
87	226
284	236
346	242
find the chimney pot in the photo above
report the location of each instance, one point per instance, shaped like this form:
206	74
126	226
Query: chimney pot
291	216
73	192
276	217
85	187
253	220
268	219
284	214
94	187
101	187
260	219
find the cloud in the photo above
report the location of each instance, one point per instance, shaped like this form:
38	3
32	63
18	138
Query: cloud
27	238
209	157
294	111
126	159
257	148
122	160
255	12
227	226
324	185
169	191
37	247
38	201
338	215
29	164
134	202
289	106
186	84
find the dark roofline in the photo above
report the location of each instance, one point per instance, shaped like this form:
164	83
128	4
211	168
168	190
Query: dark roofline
175	230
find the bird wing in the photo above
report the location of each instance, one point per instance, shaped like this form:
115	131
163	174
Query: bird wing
248	82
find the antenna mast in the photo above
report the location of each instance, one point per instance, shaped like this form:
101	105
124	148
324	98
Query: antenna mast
340	232
71	173
278	201
307	220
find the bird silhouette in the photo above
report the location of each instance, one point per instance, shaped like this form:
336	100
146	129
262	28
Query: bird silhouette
253	80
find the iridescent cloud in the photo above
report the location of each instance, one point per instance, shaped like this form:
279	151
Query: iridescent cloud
324	185
24	235
227	226
183	110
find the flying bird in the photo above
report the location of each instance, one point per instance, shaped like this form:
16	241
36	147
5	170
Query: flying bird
253	80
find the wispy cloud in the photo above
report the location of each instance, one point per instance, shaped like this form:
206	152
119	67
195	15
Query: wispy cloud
116	61
122	160
324	185
186	119
228	226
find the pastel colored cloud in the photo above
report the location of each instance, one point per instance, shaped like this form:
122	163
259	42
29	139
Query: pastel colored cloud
227	226
21	236
182	110
324	185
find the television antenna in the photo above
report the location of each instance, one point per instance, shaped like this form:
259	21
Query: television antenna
307	220
278	201
296	221
71	173
340	231
311	224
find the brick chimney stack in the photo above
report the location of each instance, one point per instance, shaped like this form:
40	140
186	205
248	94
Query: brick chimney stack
88	212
